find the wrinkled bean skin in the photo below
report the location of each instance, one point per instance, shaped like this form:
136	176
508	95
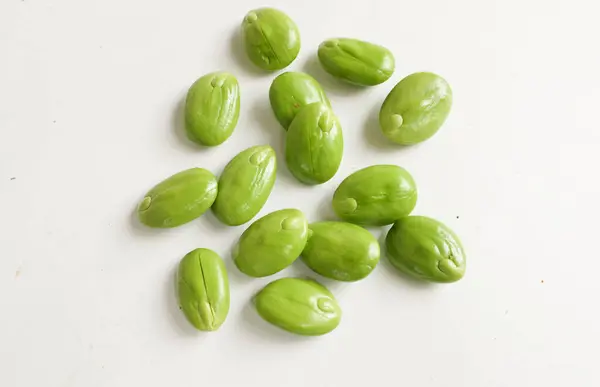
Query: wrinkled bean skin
271	38
426	249
356	61
245	185
314	144
212	108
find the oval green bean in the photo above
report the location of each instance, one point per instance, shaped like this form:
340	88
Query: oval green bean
245	185
271	38
203	289
314	144
340	251
376	195
271	243
425	249
292	91
356	61
178	199
300	306
416	108
212	108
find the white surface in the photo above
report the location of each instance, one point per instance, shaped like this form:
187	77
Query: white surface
90	118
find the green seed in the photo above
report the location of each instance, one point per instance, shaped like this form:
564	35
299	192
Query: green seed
415	108
292	91
425	249
314	144
245	185
212	108
376	195
203	289
271	38
340	251
300	306
271	243
179	199
356	61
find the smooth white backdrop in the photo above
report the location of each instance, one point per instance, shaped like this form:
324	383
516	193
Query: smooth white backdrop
91	117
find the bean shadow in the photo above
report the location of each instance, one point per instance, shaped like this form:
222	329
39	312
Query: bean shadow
331	84
178	124
375	138
236	277
325	208
262	114
137	228
176	317
388	270
238	53
300	270
276	134
254	324
209	221
373	135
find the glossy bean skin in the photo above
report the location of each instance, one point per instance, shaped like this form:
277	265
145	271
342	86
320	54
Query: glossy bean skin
271	38
375	196
292	91
314	144
245	185
356	61
203	289
300	306
426	249
272	243
178	199
340	251
212	108
416	108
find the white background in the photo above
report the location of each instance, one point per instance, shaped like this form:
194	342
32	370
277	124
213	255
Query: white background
91	118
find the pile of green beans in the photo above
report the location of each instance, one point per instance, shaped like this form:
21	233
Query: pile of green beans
377	195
